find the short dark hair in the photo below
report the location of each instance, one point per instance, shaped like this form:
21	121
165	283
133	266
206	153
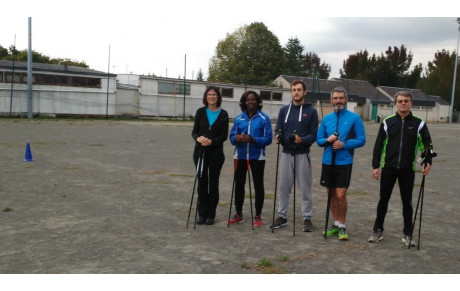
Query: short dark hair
339	89
403	93
245	96
219	96
295	82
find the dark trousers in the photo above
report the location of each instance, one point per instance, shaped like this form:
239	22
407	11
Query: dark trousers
257	168
406	185
208	179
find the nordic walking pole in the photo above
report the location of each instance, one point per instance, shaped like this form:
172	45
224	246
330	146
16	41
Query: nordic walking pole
233	189
432	154
421	210
420	195
329	190
276	181
293	230
250	194
194	185
201	175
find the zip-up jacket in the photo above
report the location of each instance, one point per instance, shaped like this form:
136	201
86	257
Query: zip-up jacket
399	140
259	127
301	120
217	133
350	131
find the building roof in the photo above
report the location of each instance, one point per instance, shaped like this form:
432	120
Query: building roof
63	69
358	90
418	97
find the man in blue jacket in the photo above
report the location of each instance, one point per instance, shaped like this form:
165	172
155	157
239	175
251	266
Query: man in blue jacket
296	130
340	133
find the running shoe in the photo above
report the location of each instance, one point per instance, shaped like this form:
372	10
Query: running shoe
201	220
307	225
333	230
343	235
376	236
279	222
257	220
237	218
408	240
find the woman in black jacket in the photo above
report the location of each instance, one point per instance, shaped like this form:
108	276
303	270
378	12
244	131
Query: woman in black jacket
210	130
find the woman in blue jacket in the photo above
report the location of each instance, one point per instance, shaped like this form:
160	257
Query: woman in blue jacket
251	133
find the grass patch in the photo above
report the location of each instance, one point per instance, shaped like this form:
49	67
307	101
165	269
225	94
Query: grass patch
223	203
266	266
96	145
265	262
244	265
7	209
282	258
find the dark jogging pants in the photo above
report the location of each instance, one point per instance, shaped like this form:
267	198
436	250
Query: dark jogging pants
388	178
257	170
208	184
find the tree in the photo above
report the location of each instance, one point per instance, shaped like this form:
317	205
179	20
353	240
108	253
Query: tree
3	52
199	75
293	51
21	56
389	69
439	77
311	65
250	55
356	65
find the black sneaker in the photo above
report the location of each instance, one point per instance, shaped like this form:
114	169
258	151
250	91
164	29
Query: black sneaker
201	220
279	222
307	225
209	221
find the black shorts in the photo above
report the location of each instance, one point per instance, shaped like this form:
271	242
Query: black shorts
339	177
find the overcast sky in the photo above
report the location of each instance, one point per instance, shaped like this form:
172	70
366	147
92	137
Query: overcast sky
153	37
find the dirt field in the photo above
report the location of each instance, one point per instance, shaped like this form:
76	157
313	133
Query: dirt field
112	197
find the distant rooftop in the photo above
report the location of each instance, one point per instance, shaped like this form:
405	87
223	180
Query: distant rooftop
39	67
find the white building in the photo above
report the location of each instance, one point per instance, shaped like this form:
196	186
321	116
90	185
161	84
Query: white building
57	90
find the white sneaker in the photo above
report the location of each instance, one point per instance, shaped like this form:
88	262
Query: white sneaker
408	240
376	236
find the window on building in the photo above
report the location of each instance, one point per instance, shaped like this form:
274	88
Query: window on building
165	88
180	89
271	96
227	92
53	80
173	88
265	95
277	96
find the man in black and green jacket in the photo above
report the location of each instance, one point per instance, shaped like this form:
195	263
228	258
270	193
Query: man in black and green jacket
399	138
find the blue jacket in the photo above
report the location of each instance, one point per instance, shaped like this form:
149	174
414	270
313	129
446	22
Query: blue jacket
351	133
302	119
258	127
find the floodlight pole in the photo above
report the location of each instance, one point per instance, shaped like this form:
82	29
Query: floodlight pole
29	73
455	75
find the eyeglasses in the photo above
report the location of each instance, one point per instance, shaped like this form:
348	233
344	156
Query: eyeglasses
403	101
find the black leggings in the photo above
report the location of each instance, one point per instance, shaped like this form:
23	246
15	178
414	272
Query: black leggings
406	185
257	168
208	183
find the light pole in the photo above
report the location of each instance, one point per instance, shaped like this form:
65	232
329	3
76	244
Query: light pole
455	75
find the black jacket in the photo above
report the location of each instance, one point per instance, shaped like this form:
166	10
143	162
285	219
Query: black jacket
217	133
398	141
